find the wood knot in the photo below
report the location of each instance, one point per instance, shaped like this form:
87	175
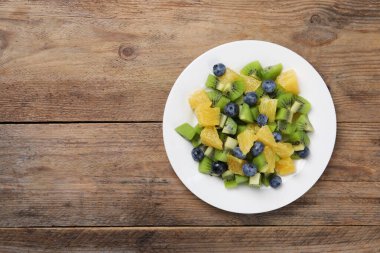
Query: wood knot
315	36
127	52
315	19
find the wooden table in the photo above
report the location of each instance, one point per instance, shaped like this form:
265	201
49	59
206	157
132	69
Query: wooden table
83	88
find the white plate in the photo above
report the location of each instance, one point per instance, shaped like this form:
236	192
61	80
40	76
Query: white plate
244	199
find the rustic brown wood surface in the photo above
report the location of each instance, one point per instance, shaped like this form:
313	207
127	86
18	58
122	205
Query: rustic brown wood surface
83	86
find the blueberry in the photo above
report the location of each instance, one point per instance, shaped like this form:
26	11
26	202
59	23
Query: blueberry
249	169
269	86
262	120
197	154
219	69
277	136
257	148
303	153
250	98
218	168
238	153
231	109
275	181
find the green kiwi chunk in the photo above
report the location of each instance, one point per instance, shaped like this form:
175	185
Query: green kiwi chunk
186	131
252	69
245	114
212	81
260	161
205	165
230	127
271	72
303	124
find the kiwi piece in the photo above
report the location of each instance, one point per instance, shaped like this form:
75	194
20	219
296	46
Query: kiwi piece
299	147
284	114
303	124
271	72
255	112
198	128
299	137
214	96
301	105
222	136
230	143
230	184
260	161
212	81
245	114
259	91
295	156
265	178
205	165
230	127
240	100
222	120
196	141
209	152
277	92
252	69
272	126
220	155
186	131
223	101
241	128
241	179
236	90
255	181
228	175
285	127
285	100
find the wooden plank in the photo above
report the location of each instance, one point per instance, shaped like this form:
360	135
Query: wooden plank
118	175
184	239
116	61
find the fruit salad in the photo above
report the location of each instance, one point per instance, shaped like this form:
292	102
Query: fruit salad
251	126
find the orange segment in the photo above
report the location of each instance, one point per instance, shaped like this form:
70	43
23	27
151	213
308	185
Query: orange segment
271	160
265	136
288	80
229	76
285	166
246	139
235	164
210	137
206	115
251	84
283	150
268	107
197	98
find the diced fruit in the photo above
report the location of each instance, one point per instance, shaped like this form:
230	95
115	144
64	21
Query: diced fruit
228	175
186	131
196	141
199	97
210	137
198	128
272	126
285	166
241	179
209	152
303	153
251	84
230	127
212	81
230	143
230	184
288	80
265	178
262	120
271	72
250	98
229	77
238	153
231	109
255	112
205	165
222	120
220	155
265	136
303	124
268	107
245	114
299	137
249	169
257	148
246	140
235	164
260	161
270	157
252	69
283	149
241	128
255	180
277	136
207	116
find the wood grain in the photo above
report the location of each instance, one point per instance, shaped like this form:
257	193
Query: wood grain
117	60
118	174
244	239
